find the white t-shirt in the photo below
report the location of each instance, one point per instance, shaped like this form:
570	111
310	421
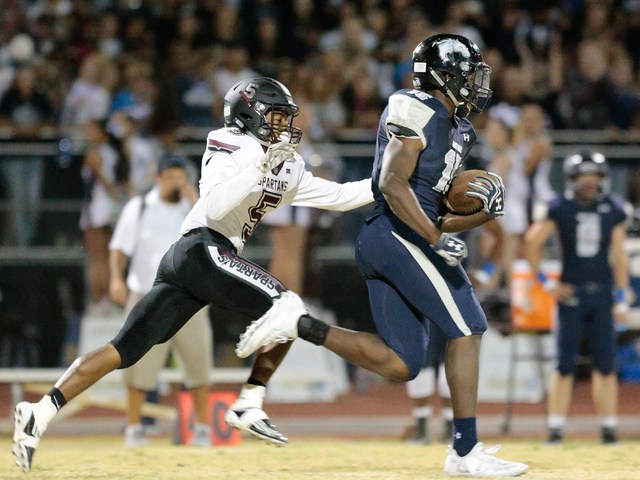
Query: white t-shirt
235	194
145	239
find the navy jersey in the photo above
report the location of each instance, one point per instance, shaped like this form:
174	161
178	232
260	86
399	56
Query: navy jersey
585	237
446	141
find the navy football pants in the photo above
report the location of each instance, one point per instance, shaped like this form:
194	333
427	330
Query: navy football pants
409	284
590	319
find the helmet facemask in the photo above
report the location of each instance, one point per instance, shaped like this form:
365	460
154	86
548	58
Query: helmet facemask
268	130
276	128
470	92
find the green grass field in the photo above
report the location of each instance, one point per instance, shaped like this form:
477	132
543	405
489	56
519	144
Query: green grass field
105	457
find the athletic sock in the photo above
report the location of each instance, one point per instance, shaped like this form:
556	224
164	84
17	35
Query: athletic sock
312	330
250	396
555	421
57	398
465	435
254	381
609	422
44	411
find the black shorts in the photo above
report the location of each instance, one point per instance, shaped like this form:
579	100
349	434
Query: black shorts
201	268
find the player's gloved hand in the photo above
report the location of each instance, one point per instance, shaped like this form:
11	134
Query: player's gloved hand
277	153
452	249
489	189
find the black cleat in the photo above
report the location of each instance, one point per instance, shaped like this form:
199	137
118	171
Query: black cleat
555	436
608	436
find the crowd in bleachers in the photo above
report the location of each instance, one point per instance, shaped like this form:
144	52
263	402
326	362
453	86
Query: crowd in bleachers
578	59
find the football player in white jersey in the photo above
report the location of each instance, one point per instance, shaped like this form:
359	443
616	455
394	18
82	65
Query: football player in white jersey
249	167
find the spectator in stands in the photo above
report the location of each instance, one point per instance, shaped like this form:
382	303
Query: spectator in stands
324	90
25	113
137	94
235	67
362	101
227	27
592	291
89	98
352	39
539	44
139	39
109	44
461	18
586	91
188	30
303	37
104	176
198	95
266	52
506	19
624	102
150	223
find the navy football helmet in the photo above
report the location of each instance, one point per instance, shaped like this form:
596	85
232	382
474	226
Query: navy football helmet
454	65
586	162
250	104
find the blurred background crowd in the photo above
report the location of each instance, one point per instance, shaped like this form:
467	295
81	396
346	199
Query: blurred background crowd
117	84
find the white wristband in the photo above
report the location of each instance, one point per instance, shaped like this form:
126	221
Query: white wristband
621	307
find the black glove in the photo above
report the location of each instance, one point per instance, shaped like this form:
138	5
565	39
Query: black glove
452	249
489	189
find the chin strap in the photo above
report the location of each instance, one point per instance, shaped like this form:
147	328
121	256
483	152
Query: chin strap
458	104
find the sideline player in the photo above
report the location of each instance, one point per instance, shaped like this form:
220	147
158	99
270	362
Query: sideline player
249	168
411	267
591	227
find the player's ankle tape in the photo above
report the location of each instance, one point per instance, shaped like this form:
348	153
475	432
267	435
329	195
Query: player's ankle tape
312	330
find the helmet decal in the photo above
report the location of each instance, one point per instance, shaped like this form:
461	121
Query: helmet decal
249	92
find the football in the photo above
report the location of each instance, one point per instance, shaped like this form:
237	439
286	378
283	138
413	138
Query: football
457	199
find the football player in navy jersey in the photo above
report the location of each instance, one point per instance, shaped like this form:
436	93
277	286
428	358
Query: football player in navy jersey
410	263
591	291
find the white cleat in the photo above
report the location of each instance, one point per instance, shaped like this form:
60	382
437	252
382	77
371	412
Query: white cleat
201	435
279	324
256	422
480	462
26	435
134	436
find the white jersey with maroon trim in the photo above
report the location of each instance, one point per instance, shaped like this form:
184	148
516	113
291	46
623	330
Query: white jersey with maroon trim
235	194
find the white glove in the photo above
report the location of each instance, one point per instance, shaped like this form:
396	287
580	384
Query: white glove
489	189
452	249
277	153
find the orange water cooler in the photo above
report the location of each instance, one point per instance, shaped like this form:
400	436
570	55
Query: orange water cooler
532	307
